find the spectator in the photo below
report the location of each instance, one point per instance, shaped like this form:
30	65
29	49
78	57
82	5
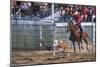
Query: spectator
41	11
84	13
61	11
45	9
94	15
23	8
13	4
13	7
70	10
90	13
67	10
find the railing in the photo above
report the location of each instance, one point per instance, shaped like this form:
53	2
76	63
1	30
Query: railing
26	33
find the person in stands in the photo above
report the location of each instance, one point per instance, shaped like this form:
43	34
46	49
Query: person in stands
85	11
94	15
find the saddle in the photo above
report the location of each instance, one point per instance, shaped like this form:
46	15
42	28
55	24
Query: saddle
71	37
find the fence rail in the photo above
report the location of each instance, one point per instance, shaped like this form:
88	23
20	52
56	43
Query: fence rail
31	34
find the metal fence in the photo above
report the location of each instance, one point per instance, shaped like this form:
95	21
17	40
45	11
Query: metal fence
31	34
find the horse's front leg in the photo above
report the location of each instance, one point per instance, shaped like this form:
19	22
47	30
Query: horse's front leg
79	46
74	47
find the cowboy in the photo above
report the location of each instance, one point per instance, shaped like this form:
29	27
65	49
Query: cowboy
77	21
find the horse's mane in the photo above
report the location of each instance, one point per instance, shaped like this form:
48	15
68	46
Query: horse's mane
76	27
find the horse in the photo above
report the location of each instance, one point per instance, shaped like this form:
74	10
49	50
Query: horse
61	47
75	36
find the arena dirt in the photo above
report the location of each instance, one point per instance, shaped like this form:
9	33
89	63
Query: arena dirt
28	57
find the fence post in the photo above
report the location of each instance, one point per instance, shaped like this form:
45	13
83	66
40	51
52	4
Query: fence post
40	36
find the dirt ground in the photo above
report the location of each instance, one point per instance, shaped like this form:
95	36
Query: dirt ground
28	57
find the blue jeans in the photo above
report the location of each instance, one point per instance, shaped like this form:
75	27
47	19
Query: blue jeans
81	32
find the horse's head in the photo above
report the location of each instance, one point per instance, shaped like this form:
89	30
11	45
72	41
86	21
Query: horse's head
69	26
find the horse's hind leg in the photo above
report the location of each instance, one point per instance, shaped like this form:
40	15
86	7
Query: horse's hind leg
81	46
86	41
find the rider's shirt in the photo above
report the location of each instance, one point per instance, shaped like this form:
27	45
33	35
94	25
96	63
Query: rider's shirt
77	19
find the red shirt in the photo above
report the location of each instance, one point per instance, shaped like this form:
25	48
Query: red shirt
77	19
94	11
85	11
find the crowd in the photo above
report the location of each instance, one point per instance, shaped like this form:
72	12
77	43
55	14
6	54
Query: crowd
87	13
30	9
41	10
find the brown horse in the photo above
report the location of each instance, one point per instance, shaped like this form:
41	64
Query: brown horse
75	36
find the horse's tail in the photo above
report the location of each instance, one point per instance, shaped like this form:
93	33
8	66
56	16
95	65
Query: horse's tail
90	44
88	38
